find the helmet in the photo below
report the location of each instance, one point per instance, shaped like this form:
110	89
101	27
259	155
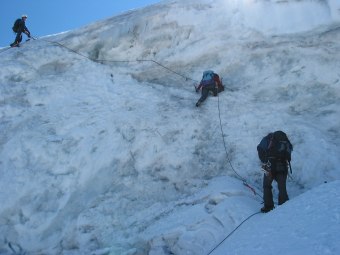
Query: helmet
24	16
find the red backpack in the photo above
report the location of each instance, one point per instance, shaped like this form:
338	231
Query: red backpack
219	82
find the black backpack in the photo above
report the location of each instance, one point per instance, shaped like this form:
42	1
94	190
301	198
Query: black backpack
275	146
16	25
280	147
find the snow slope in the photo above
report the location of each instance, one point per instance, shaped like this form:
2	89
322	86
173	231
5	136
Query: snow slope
112	157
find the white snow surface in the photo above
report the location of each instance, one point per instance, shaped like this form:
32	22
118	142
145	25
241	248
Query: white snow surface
113	157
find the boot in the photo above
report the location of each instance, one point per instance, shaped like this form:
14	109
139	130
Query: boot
15	44
266	209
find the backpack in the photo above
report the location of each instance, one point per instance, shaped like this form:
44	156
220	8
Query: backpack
16	25
219	82
262	148
280	147
275	149
275	146
208	78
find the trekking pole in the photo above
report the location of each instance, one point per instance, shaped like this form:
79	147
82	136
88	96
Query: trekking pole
195	87
291	172
29	38
290	167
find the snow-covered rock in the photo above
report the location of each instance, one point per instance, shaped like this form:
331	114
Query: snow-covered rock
102	150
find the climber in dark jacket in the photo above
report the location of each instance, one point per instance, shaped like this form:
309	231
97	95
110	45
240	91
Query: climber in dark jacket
274	151
19	28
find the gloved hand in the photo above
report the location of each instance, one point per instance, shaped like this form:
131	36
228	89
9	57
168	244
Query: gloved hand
268	174
267	169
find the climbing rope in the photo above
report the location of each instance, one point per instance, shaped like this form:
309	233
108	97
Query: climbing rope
232	232
5	49
113	61
120	61
245	183
155	62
